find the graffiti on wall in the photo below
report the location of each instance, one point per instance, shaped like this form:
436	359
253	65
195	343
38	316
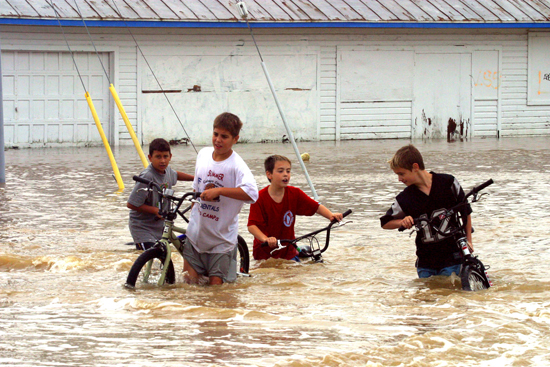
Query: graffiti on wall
543	78
488	79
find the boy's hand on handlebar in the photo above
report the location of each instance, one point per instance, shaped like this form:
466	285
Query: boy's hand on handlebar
210	194
407	222
271	241
336	217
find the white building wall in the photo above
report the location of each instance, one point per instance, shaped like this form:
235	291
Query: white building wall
510	108
328	94
127	88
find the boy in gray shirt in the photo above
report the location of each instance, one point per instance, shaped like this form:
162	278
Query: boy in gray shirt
145	224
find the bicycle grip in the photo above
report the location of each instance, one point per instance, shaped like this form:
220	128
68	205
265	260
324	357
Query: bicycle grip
484	185
401	229
346	213
142	180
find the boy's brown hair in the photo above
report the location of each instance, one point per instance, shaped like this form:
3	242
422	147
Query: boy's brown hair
229	122
405	157
160	145
270	161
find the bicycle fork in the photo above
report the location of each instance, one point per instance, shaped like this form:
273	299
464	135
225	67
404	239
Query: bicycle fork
165	240
463	243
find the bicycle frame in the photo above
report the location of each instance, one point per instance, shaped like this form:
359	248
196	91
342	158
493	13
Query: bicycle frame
458	232
167	199
168	237
161	252
316	253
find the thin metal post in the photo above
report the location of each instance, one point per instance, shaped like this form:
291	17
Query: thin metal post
2	158
241	6
289	132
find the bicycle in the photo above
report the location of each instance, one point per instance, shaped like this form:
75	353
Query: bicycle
155	266
314	251
473	274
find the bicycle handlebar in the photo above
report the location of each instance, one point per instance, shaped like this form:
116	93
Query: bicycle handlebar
311	234
172	214
146	182
477	189
345	214
451	211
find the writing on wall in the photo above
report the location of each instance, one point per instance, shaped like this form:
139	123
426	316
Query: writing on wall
488	79
538	69
543	78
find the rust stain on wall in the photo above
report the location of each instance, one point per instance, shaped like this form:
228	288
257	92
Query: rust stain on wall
457	131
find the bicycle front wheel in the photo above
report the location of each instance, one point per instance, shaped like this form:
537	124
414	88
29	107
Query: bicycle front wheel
143	274
243	258
473	279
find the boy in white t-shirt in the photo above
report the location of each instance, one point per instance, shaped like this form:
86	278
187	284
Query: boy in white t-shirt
226	183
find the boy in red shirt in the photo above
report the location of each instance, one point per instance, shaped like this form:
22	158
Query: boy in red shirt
273	215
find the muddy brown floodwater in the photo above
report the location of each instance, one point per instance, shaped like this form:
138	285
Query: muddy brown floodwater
63	263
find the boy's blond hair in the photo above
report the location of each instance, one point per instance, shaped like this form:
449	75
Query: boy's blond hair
229	122
405	157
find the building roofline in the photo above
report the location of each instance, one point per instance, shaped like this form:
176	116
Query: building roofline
206	24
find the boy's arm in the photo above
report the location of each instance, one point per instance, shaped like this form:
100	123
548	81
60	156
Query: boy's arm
406	222
323	210
182	176
145	209
231	192
260	236
469	232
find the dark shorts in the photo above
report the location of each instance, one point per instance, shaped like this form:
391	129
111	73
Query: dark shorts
222	265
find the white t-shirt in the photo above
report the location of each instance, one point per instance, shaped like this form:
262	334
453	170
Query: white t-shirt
214	225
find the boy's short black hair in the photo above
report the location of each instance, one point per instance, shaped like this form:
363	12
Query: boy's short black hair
159	145
229	122
405	157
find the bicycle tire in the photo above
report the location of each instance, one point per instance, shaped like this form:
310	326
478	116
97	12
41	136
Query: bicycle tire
243	260
157	255
473	279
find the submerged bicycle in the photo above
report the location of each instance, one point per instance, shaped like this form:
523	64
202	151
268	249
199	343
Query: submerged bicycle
473	274
314	251
154	266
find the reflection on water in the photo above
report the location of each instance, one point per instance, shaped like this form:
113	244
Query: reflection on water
63	264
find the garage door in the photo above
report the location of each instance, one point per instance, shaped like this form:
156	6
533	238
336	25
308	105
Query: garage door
44	102
375	93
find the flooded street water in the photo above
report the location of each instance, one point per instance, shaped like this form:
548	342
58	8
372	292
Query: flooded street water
63	264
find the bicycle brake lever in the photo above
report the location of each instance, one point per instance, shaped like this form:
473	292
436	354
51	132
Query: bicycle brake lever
342	223
478	197
279	247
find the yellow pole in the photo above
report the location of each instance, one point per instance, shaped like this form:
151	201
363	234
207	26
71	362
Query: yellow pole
129	126
105	143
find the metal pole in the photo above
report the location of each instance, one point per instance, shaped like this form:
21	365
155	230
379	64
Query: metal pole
241	6
2	158
289	132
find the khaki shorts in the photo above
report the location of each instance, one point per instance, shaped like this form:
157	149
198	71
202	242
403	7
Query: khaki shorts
222	265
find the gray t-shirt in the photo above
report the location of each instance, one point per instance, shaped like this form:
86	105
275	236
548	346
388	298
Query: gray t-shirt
144	226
